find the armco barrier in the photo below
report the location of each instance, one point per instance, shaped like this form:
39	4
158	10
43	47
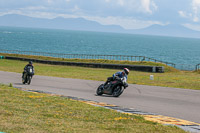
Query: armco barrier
159	69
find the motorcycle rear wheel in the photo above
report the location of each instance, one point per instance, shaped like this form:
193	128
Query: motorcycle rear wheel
118	91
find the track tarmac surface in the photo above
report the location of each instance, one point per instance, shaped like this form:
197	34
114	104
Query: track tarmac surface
172	102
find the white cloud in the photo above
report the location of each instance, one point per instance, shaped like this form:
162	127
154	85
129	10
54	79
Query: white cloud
196	5
196	10
121	2
49	1
54	1
154	5
34	8
144	6
149	5
126	23
107	1
194	14
75	9
192	26
182	14
196	18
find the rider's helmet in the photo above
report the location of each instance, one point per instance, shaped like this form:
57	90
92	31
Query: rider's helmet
30	62
126	71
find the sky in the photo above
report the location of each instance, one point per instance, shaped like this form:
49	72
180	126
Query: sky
129	14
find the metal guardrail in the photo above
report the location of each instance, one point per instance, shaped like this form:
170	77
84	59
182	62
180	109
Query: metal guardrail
185	67
143	68
87	56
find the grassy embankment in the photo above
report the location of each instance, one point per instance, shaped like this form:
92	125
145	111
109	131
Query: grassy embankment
171	77
26	112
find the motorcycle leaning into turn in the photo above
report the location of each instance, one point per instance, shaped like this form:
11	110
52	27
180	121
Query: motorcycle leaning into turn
114	88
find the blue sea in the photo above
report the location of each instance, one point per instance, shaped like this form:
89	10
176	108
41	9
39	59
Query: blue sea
184	52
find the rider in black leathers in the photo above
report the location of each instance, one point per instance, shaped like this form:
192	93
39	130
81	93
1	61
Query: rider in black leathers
30	64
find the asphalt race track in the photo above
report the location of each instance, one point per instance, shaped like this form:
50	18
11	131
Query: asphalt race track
172	102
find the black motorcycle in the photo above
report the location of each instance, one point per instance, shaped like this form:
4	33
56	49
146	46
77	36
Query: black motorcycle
114	88
28	76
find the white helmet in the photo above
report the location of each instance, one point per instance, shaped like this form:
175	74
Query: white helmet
126	70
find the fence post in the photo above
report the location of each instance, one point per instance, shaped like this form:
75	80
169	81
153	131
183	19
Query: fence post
197	67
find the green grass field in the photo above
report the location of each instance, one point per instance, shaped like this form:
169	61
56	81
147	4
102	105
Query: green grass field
171	78
28	112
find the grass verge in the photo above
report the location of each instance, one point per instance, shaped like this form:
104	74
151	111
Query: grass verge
173	78
27	112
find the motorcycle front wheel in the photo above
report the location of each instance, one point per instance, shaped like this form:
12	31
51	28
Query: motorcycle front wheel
23	79
29	80
118	91
100	90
